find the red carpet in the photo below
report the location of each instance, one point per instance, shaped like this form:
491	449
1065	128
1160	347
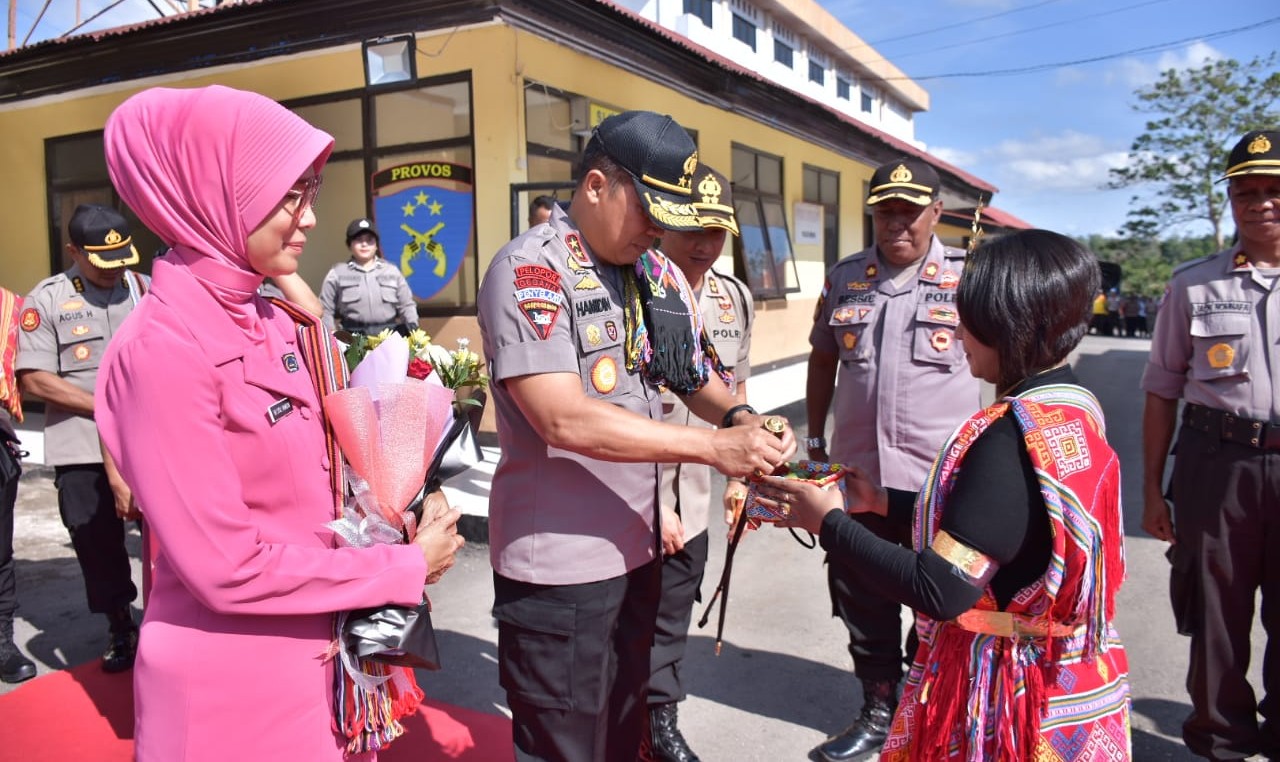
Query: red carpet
86	714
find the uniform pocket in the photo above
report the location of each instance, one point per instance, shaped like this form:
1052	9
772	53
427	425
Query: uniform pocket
1219	345
935	336
849	327
600	358
389	292
80	346
535	652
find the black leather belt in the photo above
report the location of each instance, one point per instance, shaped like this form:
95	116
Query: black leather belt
1232	428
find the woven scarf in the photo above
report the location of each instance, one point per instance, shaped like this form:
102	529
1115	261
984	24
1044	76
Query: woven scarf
964	683
666	340
10	397
369	720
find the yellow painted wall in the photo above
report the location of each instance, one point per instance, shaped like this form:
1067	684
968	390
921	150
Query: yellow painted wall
500	60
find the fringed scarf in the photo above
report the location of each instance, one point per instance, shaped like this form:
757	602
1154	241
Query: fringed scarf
368	719
976	696
10	397
666	339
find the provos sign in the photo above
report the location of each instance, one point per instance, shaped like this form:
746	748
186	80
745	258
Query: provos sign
424	215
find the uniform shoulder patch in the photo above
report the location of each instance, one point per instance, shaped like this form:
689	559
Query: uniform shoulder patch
30	319
537	292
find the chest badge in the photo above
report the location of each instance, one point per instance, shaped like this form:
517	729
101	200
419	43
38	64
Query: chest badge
1220	356
611	330
71	305
279	409
604	375
949	279
290	361
81	352
79	330
850	341
593	335
586	284
940	340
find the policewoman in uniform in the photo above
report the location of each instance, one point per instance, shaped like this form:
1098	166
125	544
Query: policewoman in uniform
686	497
885	351
1216	345
66	323
366	294
573	520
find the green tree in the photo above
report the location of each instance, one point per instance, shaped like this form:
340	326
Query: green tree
1147	263
1197	115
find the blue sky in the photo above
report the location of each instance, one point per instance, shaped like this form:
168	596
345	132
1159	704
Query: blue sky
1046	138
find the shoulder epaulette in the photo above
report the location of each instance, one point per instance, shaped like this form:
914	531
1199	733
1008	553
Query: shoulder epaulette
1190	263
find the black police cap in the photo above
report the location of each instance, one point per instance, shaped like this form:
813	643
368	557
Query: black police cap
1257	153
103	235
661	158
907	178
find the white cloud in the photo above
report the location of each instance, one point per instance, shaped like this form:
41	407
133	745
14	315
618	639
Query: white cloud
1066	162
1070	75
954	156
1137	72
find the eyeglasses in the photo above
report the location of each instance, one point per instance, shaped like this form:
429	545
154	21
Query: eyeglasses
298	199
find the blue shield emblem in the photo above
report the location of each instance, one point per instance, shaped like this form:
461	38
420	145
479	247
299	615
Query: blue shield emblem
425	232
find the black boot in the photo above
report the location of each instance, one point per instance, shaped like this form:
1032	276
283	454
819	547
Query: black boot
666	743
124	642
862	740
14	667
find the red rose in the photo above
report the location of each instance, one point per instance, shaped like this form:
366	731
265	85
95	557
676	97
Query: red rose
419	368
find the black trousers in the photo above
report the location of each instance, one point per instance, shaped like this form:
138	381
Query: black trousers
681	583
88	510
1226	508
574	661
873	621
8	583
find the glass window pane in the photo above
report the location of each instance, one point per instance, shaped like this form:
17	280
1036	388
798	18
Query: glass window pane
439	112
755	246
427	227
811	191
784	267
77	160
770	169
830	188
547	119
744	168
341	119
543	169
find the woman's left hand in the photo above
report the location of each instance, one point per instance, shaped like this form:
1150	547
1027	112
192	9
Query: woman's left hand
805	503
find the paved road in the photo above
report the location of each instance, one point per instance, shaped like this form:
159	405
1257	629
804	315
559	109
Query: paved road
783	680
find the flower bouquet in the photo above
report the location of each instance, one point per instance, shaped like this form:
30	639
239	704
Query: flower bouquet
395	423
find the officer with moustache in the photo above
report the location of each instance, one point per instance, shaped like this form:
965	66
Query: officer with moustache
1216	345
581	323
66	323
885	352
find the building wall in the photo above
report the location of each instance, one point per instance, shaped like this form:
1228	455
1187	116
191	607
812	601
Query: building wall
501	60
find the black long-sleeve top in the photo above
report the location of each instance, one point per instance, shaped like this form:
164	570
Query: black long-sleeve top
995	508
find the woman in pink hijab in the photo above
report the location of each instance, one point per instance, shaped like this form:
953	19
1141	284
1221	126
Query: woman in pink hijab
206	401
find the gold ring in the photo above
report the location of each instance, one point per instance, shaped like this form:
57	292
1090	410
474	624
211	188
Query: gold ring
774	424
758	474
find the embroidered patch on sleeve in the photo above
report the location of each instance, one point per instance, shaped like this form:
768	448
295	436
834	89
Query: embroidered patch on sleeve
539	296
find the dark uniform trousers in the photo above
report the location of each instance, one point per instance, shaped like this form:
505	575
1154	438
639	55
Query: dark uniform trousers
574	661
874	621
8	585
681	578
1226	508
88	511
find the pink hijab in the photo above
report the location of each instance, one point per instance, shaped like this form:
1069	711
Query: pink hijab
203	168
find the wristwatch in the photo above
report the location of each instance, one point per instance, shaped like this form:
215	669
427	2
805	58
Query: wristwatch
815	443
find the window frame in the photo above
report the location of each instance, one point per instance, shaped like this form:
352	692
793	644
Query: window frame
769	279
741	25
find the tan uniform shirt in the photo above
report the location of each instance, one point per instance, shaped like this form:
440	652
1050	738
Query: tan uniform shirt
555	517
66	324
353	297
903	384
727	312
1217	338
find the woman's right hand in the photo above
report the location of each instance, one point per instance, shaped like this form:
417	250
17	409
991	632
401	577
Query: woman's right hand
437	536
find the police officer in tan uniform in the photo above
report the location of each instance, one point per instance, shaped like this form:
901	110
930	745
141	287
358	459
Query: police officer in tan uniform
66	323
1216	345
366	294
573	519
686	499
884	349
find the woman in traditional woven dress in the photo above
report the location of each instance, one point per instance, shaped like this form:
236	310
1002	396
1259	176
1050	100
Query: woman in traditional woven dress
1018	534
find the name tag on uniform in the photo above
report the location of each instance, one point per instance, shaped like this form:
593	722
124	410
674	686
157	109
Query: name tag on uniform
279	409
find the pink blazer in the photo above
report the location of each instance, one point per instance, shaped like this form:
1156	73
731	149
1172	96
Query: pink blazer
230	657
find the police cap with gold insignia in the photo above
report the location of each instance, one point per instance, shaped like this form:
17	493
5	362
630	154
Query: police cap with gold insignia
1257	153
661	158
713	199
907	178
102	234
